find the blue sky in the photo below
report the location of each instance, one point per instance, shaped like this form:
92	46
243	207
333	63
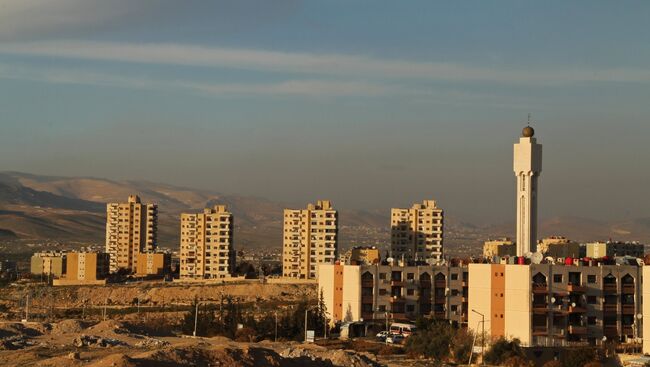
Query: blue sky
371	104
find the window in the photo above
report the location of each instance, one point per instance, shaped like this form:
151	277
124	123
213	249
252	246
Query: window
410	292
454	276
557	278
410	308
382	275
591	279
592	300
410	276
382	292
591	320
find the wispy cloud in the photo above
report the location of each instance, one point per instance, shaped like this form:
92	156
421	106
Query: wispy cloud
313	63
306	88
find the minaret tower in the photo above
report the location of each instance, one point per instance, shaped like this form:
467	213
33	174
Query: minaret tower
527	166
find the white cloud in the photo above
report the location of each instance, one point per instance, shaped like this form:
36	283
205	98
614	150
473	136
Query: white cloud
312	63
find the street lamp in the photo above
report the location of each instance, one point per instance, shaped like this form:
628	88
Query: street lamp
307	311
482	335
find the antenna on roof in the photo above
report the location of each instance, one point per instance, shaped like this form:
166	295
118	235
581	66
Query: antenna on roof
529	117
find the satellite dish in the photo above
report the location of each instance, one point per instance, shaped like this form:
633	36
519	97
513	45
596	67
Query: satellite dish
639	316
390	259
573	304
537	258
620	260
640	262
560	260
552	299
550	260
527	255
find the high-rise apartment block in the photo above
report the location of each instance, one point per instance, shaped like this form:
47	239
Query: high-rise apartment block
310	238
417	233
207	244
131	229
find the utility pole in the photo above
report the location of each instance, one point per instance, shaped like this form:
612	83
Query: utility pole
482	335
196	318
306	310
27	308
276	326
138	305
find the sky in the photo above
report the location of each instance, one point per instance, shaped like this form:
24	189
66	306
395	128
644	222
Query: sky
371	104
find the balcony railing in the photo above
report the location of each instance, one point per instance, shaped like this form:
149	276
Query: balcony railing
609	288
628	289
577	309
610	307
540	307
397	283
540	330
576	288
628	309
440	284
577	330
540	288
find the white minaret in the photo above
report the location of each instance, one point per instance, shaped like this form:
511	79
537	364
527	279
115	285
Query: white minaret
527	166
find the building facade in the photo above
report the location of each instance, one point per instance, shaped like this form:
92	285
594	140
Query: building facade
153	263
615	248
559	246
501	248
417	233
131	229
310	238
207	249
527	168
394	292
361	255
50	263
85	268
556	305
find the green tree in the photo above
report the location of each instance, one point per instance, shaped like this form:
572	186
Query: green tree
504	349
578	357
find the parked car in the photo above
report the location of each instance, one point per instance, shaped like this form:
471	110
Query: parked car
395	339
382	335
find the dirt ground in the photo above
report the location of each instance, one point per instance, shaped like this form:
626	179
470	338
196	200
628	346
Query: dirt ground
115	344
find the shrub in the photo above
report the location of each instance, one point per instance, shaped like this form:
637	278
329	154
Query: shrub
503	350
245	334
552	363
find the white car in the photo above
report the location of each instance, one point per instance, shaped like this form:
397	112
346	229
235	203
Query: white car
395	339
382	335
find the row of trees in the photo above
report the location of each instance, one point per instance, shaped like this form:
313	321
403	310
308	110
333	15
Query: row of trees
442	342
248	323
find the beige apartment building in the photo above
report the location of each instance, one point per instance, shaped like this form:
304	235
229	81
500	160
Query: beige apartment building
417	233
50	263
558	246
310	239
207	250
153	263
556	304
615	248
502	247
131	229
85	268
394	292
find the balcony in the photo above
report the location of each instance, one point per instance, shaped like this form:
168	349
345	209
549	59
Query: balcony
628	330
540	330
576	288
540	288
610	330
577	330
628	289
628	309
440	314
398	316
397	283
440	284
610	307
540	307
610	288
397	299
367	284
577	309
439	301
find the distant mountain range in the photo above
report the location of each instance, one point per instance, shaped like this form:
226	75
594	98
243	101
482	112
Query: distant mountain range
44	208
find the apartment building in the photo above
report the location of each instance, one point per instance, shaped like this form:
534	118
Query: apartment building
501	247
615	248
580	303
559	246
310	239
396	292
417	233
85	268
153	263
131	229
207	250
50	263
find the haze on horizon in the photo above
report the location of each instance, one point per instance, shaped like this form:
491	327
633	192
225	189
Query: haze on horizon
369	104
